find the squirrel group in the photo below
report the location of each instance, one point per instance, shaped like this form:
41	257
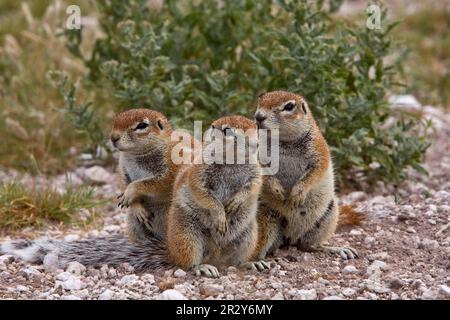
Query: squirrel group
201	216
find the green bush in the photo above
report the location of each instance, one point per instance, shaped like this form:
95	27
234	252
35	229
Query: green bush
204	59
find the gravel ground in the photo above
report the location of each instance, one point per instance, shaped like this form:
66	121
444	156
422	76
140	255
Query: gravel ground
404	251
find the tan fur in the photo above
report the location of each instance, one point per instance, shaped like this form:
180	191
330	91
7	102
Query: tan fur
348	216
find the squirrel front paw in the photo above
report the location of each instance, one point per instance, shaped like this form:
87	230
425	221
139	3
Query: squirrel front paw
128	197
297	196
221	224
233	205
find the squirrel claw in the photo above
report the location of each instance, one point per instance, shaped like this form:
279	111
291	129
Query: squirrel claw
233	205
222	227
260	265
207	270
346	253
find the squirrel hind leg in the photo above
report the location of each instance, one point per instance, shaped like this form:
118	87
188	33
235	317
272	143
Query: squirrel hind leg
136	229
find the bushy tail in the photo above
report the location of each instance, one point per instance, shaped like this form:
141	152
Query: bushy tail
145	255
348	216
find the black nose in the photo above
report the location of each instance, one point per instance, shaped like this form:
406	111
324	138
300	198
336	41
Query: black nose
114	140
259	117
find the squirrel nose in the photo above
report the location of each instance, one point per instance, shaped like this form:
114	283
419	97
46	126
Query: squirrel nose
259	117
114	139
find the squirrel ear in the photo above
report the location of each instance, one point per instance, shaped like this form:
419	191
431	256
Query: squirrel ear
304	108
160	124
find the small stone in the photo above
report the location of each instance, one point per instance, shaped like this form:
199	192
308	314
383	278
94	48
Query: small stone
429	294
428	244
349	269
376	267
429	213
396	283
6	259
278	296
355	232
232	269
63	276
394	296
378	256
369	239
76	268
410	230
276	286
179	273
444	195
166	284
72	283
22	288
50	262
171	294
378	288
31	272
306	294
348	292
149	278
106	295
128	280
211	289
444	291
168	273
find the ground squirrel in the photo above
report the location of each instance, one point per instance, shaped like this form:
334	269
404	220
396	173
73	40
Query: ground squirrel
212	220
298	205
146	171
146	177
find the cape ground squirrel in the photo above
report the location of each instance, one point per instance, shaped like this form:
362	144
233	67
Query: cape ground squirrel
146	171
212	221
298	205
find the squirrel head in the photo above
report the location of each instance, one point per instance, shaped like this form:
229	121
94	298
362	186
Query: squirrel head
285	111
138	131
236	134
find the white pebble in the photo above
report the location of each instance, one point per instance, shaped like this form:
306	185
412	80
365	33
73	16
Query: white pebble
106	295
179	273
75	268
349	269
171	294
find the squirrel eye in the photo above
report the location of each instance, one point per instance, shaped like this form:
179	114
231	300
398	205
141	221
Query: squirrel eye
228	132
289	106
141	126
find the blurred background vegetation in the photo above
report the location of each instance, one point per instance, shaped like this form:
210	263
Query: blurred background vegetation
203	59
